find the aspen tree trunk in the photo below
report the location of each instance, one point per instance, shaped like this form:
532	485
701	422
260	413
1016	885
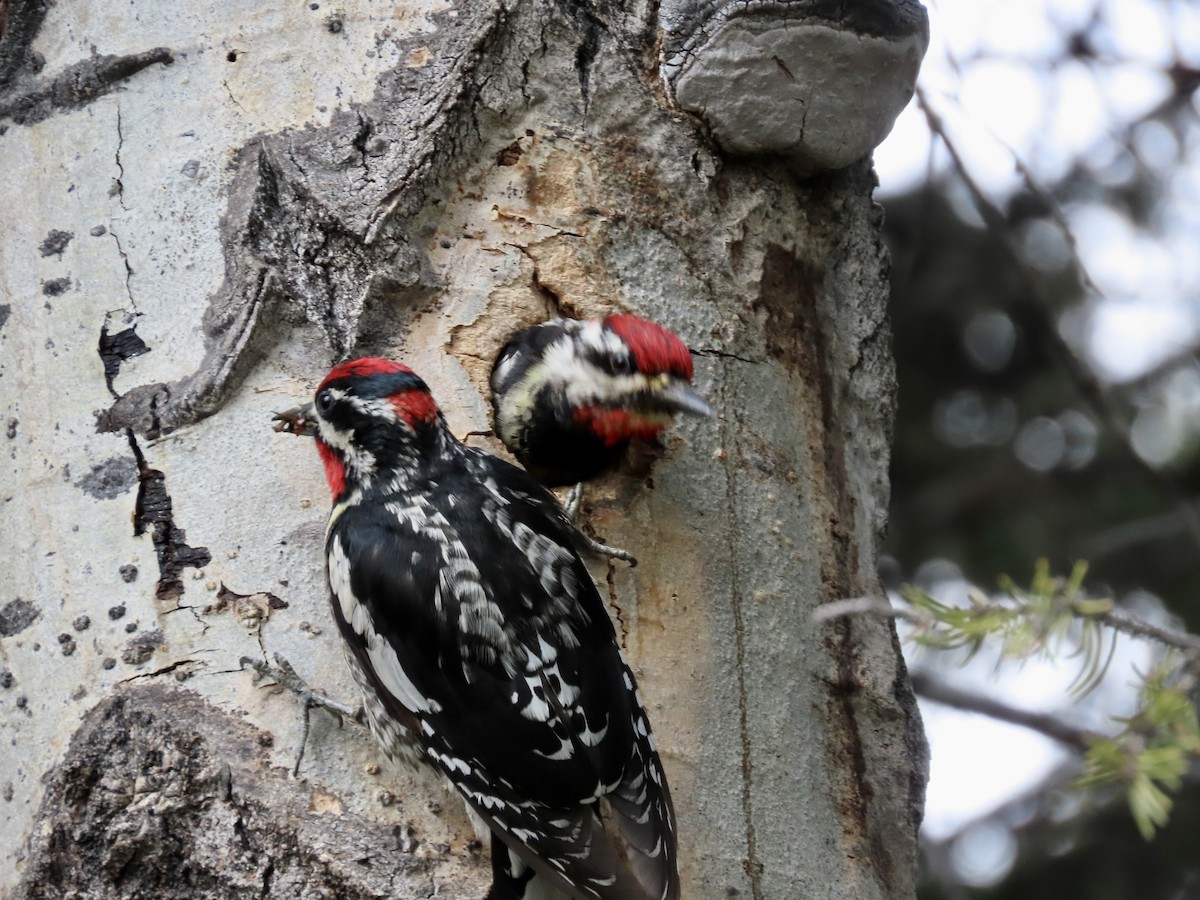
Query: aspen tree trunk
209	206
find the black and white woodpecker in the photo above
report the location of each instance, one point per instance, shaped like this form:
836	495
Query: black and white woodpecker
569	395
482	646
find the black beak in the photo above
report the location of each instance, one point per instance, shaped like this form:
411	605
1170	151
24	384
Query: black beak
299	421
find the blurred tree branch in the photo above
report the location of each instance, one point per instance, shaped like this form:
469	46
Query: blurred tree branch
1150	751
1086	384
933	688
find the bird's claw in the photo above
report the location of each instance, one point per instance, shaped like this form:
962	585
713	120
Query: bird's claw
284	675
572	502
571	505
600	549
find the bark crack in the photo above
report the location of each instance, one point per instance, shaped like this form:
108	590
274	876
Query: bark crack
615	606
128	269
232	98
118	190
119	184
165	670
722	354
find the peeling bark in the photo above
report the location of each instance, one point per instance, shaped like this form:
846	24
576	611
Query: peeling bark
163	795
153	512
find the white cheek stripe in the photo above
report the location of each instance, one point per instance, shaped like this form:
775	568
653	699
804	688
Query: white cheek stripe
582	381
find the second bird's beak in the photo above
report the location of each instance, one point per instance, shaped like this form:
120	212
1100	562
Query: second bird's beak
674	395
299	421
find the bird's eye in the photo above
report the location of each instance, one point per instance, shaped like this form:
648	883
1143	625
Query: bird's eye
622	365
324	401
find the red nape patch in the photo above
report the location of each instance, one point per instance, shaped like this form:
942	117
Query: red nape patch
414	406
368	365
616	425
335	469
655	349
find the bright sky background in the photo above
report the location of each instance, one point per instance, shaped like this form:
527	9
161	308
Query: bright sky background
998	74
995	73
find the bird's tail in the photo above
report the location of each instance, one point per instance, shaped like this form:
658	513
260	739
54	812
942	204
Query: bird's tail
512	879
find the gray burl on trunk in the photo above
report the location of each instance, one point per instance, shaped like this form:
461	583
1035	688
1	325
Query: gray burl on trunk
206	211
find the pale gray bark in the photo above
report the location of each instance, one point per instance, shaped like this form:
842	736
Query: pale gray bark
416	182
817	82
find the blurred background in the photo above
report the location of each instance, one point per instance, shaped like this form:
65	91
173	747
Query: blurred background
1042	196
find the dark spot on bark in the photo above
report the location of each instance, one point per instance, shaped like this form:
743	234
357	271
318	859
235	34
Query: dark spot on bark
109	663
153	512
116	348
191	168
82	623
131	627
10	428
129	572
22	702
56	286
6	679
68	644
334	24
142	647
509	155
116	612
98	231
231	56
788	296
109	479
16	616
55	243
5	312
225	597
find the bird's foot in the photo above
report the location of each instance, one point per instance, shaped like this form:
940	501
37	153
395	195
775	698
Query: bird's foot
600	549
571	506
574	500
285	676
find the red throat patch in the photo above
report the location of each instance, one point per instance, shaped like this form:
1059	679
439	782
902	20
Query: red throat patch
655	349
335	469
616	425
